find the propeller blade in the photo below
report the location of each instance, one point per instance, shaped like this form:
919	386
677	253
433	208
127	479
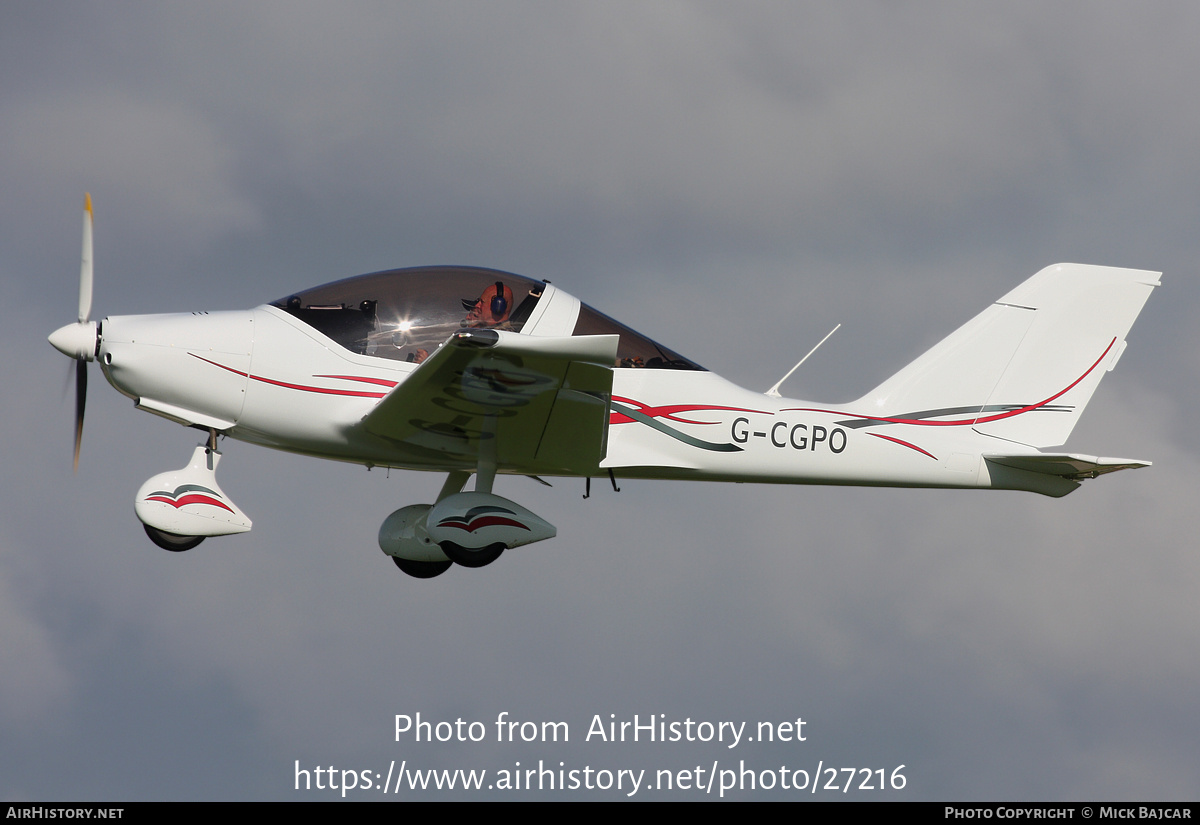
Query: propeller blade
85	269
80	403
81	340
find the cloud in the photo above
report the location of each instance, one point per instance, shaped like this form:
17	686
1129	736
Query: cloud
166	164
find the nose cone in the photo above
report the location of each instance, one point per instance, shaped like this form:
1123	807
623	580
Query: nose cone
76	340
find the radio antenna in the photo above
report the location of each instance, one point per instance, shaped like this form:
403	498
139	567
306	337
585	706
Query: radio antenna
774	391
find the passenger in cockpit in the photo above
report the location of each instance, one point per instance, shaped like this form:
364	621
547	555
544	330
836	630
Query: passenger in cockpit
491	310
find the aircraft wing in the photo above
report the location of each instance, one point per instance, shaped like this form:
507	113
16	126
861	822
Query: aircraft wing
544	401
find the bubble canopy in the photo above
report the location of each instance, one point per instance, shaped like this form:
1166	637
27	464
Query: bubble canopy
405	314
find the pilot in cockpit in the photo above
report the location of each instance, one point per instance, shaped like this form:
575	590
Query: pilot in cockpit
491	310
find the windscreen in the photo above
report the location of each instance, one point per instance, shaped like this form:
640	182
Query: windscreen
404	314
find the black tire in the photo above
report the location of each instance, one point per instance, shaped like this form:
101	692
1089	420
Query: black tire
422	569
171	541
471	558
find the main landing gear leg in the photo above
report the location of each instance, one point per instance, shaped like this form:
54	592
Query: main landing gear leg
454	483
471	529
485	477
485	470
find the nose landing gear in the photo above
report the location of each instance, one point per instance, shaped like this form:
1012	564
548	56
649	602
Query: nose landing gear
181	508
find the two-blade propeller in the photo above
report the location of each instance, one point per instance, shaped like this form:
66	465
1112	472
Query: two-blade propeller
81	339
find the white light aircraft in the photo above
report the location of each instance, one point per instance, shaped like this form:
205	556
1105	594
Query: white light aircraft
468	371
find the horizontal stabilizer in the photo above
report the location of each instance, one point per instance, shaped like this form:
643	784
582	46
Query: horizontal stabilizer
1067	465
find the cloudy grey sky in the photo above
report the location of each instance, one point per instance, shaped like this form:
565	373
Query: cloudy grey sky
730	178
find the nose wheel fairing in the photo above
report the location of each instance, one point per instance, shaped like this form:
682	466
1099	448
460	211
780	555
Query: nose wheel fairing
188	502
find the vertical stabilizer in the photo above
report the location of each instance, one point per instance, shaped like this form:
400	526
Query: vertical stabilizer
1025	367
